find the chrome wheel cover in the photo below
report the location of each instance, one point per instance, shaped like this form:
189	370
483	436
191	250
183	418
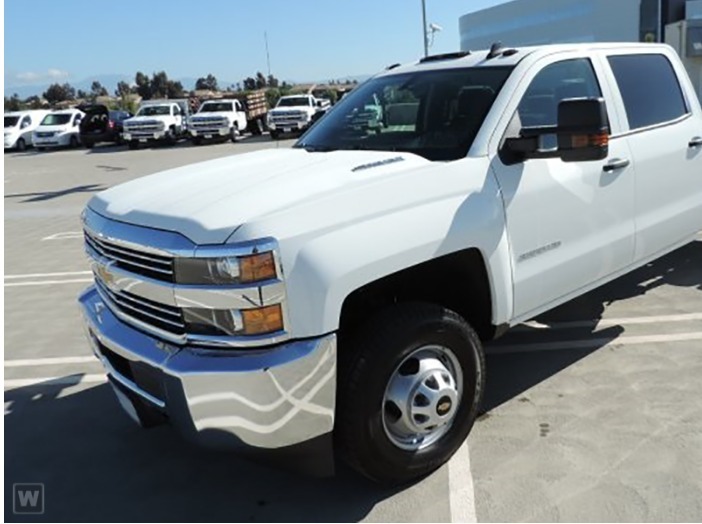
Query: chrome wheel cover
422	398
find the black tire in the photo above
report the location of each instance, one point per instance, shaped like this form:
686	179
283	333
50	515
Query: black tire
171	136
234	134
133	144
275	135
41	149
197	141
21	145
73	143
367	362
255	126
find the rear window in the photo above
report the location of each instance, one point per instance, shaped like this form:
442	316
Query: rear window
650	89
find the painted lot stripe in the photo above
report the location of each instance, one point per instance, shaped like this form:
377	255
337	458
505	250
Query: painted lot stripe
55	381
594	342
42	275
18	363
49	282
605	322
461	490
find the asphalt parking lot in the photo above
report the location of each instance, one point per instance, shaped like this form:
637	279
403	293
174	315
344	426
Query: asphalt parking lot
592	411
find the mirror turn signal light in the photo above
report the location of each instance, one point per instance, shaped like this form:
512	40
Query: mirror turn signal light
598	140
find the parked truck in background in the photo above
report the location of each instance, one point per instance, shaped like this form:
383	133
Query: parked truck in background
294	114
157	121
228	118
336	295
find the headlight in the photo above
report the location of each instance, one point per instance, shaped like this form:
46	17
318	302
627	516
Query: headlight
213	322
226	270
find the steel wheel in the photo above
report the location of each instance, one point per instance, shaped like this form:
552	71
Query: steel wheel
422	398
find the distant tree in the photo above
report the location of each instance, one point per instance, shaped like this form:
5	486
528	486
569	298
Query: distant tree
272	81
272	96
82	94
209	82
285	85
249	83
237	86
143	85
260	80
355	82
34	102
13	103
59	92
174	89
123	89
97	89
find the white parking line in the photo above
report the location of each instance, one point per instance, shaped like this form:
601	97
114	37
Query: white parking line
461	490
42	275
17	363
48	282
594	342
64	235
55	381
606	322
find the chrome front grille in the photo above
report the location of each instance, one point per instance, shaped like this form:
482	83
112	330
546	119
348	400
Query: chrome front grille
154	314
158	267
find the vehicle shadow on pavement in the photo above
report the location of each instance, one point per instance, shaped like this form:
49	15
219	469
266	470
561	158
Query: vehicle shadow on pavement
511	374
98	466
41	196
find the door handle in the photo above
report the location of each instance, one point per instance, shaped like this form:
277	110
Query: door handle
695	142
615	164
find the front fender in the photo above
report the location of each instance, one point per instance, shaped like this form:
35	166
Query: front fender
328	266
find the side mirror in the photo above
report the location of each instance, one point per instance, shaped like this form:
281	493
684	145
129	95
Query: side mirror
582	132
319	103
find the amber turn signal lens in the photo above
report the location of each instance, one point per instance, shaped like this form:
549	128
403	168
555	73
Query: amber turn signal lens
257	267
262	320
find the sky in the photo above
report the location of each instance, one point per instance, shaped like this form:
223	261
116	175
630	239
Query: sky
50	41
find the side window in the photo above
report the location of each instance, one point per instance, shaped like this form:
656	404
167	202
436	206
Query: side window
554	83
650	89
176	110
26	122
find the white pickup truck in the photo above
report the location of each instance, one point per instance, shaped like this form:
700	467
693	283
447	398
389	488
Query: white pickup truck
294	114
217	119
156	121
340	291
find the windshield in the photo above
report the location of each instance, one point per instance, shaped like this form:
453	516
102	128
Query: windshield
11	121
294	101
216	106
56	120
435	114
154	110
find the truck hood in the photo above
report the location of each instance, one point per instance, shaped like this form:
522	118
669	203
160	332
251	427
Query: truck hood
210	114
146	119
209	201
291	109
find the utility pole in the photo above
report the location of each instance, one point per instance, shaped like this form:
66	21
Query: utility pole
424	28
268	56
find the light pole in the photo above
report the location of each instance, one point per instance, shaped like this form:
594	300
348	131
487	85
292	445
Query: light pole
424	28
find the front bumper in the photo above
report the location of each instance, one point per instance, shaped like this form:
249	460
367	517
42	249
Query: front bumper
288	127
277	401
143	136
53	141
212	132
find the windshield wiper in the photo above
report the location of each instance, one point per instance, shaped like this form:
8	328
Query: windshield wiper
314	149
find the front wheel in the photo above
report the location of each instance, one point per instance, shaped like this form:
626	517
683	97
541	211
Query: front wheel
410	385
234	134
275	134
73	143
21	145
133	144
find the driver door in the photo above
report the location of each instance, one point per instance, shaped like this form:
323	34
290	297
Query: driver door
569	224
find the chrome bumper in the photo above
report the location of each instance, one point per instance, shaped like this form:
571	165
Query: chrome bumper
248	399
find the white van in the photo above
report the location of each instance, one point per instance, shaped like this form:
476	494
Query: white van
58	128
19	126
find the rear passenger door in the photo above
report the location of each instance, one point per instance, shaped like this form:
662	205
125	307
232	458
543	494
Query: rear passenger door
570	225
666	142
